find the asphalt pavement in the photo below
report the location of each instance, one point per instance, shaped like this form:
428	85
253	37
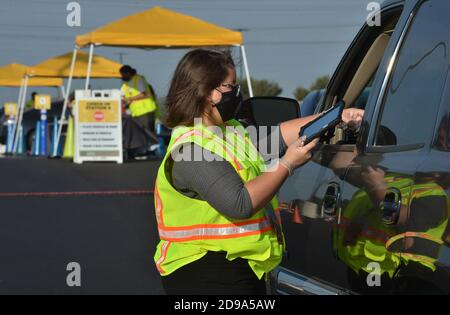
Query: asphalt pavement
99	216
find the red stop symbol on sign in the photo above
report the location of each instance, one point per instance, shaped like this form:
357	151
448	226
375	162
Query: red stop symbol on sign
99	116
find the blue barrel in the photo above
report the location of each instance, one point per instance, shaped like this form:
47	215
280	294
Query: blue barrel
37	139
43	133
10	136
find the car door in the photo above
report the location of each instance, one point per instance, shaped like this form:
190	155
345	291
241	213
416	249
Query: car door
429	267
394	212
312	196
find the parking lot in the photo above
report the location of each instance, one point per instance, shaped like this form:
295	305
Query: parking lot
54	212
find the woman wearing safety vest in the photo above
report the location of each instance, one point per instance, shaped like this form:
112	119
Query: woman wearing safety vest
214	198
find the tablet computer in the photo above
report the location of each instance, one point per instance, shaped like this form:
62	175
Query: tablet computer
319	126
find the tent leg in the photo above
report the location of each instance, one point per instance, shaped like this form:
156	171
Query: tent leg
241	67
247	72
16	119
88	76
62	92
20	115
66	101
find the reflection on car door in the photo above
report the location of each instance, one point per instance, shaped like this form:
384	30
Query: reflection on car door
395	197
313	194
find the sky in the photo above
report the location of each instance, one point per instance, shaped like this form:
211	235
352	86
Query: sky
291	42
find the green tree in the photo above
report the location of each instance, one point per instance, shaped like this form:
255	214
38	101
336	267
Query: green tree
320	83
261	88
300	93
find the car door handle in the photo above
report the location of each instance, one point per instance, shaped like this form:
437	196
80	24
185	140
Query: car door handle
391	206
331	202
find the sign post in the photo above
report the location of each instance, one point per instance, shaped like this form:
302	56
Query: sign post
98	126
10	109
43	103
10	113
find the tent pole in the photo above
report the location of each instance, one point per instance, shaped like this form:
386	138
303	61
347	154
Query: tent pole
241	68
88	76
247	72
66	101
16	119
62	92
20	115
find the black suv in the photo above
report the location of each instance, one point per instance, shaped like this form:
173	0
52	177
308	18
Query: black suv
369	214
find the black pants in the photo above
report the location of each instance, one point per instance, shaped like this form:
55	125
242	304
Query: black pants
146	121
213	274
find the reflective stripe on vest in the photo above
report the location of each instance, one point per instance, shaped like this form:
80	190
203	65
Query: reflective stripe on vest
214	231
369	232
413	234
164	249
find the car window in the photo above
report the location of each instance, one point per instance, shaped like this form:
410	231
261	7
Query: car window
310	103
413	95
362	99
352	82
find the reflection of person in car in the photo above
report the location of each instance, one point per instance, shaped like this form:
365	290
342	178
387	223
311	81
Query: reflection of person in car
368	233
422	228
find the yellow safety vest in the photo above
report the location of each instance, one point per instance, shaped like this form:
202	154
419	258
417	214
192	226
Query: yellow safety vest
30	104
366	240
431	238
141	107
375	240
189	228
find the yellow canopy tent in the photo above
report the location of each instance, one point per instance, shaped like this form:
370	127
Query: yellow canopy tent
157	28
163	28
60	67
63	66
12	75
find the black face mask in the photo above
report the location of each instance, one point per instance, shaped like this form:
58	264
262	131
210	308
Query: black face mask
229	104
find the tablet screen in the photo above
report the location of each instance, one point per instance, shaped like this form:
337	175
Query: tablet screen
323	121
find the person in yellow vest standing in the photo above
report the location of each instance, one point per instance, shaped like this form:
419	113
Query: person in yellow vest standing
215	201
30	103
138	97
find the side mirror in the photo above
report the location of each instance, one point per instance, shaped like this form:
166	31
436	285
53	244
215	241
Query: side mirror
268	110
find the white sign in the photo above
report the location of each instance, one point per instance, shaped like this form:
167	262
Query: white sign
98	126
